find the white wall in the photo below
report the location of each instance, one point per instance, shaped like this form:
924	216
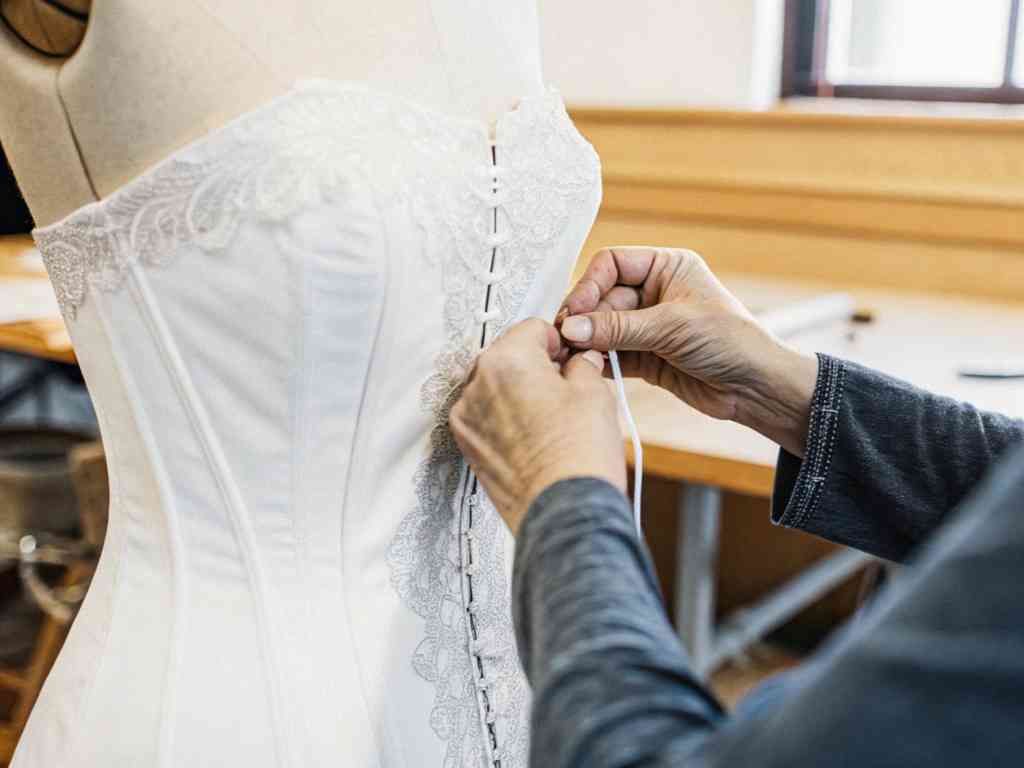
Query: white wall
664	52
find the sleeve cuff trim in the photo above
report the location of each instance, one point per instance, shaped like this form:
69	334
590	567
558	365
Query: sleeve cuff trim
821	440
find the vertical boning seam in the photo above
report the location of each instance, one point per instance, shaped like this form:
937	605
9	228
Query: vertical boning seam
220	469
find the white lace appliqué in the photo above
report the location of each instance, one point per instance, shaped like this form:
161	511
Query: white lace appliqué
447	557
301	149
547	173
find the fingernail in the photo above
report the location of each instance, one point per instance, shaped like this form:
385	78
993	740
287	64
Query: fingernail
577	329
595	358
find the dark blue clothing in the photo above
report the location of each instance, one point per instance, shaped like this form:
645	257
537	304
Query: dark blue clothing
932	676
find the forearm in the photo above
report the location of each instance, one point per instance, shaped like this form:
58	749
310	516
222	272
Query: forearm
776	401
884	462
612	687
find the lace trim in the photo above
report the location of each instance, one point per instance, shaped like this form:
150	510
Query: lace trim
548	172
299	149
305	148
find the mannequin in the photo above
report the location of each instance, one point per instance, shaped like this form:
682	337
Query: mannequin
275	290
150	76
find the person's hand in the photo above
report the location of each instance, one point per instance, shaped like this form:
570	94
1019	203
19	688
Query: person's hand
686	333
524	421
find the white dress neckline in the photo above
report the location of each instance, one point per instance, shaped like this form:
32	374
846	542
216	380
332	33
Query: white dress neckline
239	121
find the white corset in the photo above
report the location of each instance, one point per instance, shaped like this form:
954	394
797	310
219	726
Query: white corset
300	570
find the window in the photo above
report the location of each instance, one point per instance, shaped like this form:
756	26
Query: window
930	50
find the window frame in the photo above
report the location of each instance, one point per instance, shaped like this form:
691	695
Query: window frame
805	50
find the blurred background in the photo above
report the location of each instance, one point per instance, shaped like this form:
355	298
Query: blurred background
854	171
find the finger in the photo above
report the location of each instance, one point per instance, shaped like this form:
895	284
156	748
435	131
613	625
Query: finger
557	348
642	330
633	364
619	298
585	366
625	265
563	354
472	371
534	334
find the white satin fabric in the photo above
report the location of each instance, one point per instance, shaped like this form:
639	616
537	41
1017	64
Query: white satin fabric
273	323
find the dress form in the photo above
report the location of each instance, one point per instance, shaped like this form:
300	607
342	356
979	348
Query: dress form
151	76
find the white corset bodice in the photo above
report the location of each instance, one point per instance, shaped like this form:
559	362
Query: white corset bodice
273	323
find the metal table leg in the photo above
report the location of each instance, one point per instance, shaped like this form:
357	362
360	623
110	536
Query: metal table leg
697	553
749	624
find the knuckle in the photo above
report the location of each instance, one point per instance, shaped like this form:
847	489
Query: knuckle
687	257
615	327
691	256
685	264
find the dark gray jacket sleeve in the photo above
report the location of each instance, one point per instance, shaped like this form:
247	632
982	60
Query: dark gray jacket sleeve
885	462
612	686
930	677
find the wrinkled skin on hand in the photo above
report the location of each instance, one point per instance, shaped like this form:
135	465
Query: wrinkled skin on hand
531	415
676	326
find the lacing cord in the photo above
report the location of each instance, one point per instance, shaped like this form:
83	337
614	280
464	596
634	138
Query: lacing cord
495	240
488	316
634	435
495	195
492	276
481	647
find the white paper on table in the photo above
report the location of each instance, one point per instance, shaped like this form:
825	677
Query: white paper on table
22	300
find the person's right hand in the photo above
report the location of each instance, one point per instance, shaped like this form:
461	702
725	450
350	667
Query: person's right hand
677	327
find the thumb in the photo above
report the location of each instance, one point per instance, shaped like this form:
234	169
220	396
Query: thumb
640	330
584	366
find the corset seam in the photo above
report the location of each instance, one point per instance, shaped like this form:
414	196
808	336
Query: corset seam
300	380
357	437
221	473
179	594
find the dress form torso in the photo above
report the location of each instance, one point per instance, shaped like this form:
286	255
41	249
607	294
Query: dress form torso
152	76
273	321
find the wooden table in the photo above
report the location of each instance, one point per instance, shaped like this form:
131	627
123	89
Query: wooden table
46	338
920	338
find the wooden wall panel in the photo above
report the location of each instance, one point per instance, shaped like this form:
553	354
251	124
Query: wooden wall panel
934	204
804	253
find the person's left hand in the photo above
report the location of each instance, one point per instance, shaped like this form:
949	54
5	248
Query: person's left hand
525	422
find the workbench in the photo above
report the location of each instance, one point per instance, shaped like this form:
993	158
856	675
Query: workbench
44	338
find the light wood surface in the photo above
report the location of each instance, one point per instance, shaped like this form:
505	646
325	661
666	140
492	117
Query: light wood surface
917	337
921	203
46	338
